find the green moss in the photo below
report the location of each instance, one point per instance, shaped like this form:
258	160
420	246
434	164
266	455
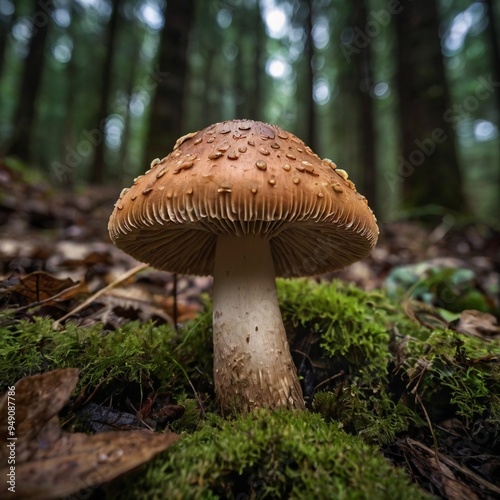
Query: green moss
389	361
137	353
269	455
352	323
375	417
455	373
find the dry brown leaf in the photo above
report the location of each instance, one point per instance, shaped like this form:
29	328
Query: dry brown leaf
37	400
449	485
53	463
477	323
40	286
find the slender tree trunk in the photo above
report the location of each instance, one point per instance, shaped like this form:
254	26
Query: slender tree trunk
241	87
208	108
131	78
167	117
62	171
493	35
494	38
310	137
5	24
98	167
363	86
248	67
254	94
428	168
20	145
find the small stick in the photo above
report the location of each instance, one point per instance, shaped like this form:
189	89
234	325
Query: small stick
100	292
456	465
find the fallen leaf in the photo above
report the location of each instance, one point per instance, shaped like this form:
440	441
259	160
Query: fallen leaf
38	287
476	323
100	418
51	462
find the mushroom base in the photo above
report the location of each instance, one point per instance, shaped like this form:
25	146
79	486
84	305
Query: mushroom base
253	367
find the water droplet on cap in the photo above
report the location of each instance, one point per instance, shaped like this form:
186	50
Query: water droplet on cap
215	156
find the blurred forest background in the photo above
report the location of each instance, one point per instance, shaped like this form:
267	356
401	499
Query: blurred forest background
404	95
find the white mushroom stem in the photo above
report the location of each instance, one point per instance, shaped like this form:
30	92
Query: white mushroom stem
253	367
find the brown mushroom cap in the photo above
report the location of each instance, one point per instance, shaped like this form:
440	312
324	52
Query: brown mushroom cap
243	177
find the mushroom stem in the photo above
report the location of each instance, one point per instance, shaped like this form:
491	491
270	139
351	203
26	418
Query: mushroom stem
253	367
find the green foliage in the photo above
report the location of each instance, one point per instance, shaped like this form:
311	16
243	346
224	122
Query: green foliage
453	289
269	455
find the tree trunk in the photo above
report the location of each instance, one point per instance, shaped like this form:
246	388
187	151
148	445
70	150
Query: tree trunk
209	109
167	115
98	167
20	145
428	168
254	96
362	60
131	78
493	35
248	68
5	25
310	138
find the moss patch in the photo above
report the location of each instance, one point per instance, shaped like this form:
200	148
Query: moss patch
270	455
149	356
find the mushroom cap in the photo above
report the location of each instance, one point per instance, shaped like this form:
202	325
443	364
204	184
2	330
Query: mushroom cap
243	177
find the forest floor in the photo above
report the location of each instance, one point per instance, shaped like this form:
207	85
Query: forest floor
410	366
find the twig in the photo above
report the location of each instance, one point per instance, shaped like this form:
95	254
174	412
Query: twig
452	463
339	374
434	438
49	299
100	292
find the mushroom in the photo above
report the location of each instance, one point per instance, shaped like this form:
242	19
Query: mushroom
245	202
